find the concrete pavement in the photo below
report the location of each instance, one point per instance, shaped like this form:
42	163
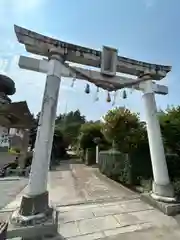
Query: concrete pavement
164	233
9	188
93	207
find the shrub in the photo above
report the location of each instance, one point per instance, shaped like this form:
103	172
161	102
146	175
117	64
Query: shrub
170	127
176	184
173	163
115	165
140	160
127	168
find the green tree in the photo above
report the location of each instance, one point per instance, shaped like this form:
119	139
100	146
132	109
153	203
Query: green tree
69	124
123	128
170	127
89	132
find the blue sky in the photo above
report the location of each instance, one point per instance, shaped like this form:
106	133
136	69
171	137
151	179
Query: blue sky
141	29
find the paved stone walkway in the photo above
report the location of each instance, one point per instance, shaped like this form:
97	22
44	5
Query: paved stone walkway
93	207
9	188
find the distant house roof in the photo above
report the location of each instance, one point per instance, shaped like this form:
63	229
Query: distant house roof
16	115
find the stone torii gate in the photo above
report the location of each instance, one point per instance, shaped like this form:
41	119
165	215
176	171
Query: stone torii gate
35	203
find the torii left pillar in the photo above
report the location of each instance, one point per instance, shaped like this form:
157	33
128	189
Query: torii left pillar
35	204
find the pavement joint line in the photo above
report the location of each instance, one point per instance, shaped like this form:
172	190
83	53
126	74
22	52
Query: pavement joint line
106	215
97	201
124	226
77	226
120	235
86	234
89	202
102	231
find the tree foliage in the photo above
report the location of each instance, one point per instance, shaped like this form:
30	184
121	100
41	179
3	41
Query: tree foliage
69	124
123	128
170	127
89	132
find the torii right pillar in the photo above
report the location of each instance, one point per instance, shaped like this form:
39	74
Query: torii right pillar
162	190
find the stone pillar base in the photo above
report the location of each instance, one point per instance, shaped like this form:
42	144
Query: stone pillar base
164	193
33	210
34	218
41	230
168	208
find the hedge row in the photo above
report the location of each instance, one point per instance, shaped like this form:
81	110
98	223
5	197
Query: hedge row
135	167
115	165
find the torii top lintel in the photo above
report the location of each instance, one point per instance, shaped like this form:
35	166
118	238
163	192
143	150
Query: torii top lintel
40	44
